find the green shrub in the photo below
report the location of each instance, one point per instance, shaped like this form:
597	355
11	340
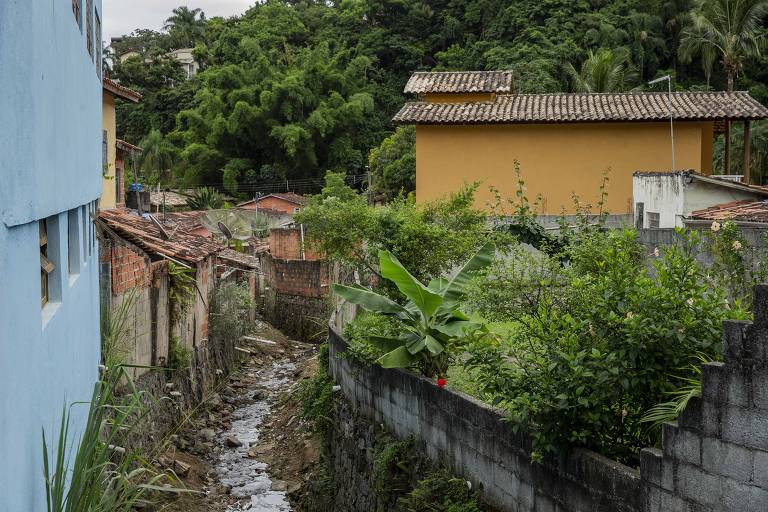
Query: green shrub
601	340
368	324
440	491
392	464
179	357
316	397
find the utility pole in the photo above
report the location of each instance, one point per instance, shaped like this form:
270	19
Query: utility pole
668	78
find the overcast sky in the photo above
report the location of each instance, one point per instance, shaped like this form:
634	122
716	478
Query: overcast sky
123	16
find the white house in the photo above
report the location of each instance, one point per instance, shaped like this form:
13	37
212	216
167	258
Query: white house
665	199
187	60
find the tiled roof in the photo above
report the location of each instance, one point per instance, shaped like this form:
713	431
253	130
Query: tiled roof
147	235
120	91
575	108
128	147
238	259
184	221
287	196
459	82
744	211
167	197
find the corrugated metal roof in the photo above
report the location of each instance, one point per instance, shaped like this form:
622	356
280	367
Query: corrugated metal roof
459	82
574	108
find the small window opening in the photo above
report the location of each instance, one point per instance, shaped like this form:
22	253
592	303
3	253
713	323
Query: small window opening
46	266
73	242
653	219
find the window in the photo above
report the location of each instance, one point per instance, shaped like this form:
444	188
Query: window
653	220
84	220
98	46
296	210
46	266
73	242
119	193
89	26
639	218
76	10
104	152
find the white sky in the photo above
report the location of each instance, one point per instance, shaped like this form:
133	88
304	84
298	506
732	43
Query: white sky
123	16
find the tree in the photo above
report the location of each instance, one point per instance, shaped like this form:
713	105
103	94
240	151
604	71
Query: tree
602	71
393	163
185	27
158	156
729	28
206	198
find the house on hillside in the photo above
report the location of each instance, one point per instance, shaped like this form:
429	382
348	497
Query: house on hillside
114	152
285	202
51	171
472	126
185	57
666	199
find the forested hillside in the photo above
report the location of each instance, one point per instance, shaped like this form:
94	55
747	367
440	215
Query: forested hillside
291	89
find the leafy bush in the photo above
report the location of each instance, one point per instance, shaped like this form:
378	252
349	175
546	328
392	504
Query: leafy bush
206	198
600	342
316	396
229	312
433	329
392	463
368	324
440	491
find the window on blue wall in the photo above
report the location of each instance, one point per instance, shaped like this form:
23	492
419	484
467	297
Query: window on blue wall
73	242
84	218
99	64
50	268
77	7
89	26
46	265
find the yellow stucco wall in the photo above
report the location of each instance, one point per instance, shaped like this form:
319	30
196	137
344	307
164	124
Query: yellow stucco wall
442	97
556	160
108	123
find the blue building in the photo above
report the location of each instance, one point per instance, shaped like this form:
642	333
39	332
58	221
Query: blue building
50	182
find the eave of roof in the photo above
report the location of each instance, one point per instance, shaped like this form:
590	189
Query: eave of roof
120	91
145	234
586	108
422	82
737	211
128	147
289	197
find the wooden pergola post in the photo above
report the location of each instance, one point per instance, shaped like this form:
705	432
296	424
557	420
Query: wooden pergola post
727	155
746	169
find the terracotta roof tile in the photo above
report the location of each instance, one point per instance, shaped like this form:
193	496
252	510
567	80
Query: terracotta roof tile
145	234
119	90
128	147
745	211
291	197
459	82
575	108
238	259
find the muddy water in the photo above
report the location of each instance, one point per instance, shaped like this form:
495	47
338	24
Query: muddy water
247	478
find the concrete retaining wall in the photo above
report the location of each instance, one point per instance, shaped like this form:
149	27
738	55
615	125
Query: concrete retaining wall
714	459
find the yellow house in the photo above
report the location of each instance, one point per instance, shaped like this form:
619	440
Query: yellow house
471	126
112	150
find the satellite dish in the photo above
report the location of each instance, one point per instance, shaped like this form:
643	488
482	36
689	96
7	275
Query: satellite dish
225	230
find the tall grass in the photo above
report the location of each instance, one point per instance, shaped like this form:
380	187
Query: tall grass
103	476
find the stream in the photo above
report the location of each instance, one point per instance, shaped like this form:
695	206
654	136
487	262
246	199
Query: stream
247	477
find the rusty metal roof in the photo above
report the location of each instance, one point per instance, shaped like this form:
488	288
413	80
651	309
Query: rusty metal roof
120	91
459	82
579	108
738	211
147	235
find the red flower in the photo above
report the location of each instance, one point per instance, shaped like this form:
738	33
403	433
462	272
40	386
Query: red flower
441	382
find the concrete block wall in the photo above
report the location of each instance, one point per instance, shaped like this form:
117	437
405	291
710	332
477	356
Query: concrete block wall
474	442
715	457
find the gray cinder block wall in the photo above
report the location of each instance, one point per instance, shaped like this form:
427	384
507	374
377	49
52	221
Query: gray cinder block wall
714	459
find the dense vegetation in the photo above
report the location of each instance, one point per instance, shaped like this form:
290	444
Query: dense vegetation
291	89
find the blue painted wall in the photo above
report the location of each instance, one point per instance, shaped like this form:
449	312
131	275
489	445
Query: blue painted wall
50	137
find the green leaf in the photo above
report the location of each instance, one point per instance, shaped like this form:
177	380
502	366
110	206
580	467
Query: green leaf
369	300
386	344
456	328
434	346
398	358
426	300
458	285
416	345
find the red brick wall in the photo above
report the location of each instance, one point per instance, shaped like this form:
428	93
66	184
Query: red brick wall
296	277
275	203
130	269
285	244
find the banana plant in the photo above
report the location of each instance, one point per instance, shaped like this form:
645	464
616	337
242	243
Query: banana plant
433	325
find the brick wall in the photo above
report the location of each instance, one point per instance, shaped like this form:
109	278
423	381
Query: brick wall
275	203
130	268
285	243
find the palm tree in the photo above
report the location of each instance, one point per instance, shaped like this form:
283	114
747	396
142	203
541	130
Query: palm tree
729	28
603	71
185	27
158	155
646	41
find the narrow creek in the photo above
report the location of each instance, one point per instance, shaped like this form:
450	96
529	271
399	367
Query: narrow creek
241	471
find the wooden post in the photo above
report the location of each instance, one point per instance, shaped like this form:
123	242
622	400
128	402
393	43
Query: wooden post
727	155
746	169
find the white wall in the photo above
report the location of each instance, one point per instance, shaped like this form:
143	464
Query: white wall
661	193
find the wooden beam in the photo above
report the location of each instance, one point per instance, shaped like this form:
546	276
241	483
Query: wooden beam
746	169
